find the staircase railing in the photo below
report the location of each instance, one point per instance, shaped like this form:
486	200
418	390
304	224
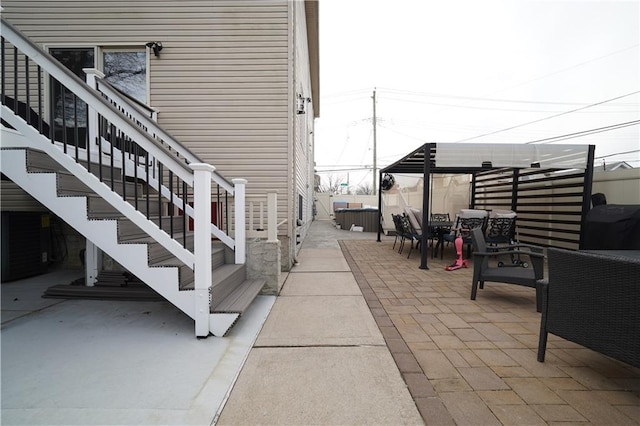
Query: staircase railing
96	133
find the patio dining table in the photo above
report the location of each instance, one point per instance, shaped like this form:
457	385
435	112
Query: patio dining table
438	229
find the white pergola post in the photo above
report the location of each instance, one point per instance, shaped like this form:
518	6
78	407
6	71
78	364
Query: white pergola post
240	220
202	244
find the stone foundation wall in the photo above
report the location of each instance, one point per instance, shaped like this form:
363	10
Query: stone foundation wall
286	258
264	261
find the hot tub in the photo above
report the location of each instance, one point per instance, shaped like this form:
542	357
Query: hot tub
367	218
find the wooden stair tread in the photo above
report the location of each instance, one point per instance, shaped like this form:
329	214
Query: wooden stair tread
240	298
230	291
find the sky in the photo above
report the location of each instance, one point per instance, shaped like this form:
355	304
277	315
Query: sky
509	71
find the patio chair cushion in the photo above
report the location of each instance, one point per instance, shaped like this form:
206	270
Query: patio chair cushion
415	217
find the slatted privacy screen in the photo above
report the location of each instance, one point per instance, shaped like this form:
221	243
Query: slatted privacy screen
549	202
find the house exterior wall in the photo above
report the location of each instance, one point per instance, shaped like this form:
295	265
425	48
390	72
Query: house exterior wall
303	149
620	186
224	83
14	199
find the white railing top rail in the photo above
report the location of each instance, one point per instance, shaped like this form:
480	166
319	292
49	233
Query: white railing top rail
129	117
154	130
93	99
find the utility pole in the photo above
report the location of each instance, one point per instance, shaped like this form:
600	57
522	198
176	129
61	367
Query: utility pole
375	156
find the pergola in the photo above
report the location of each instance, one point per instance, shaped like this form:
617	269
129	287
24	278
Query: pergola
529	167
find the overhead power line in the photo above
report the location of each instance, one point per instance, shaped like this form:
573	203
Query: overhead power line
485	108
586	132
471	98
618	153
547	118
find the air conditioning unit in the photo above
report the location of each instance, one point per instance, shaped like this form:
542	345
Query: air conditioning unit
26	244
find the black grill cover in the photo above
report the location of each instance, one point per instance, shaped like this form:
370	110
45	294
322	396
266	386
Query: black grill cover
612	227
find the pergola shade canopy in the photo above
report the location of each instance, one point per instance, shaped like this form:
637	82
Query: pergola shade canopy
471	157
524	162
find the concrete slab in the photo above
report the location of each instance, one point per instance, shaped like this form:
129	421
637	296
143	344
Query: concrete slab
24	296
320	320
321	259
332	385
321	284
113	362
320	253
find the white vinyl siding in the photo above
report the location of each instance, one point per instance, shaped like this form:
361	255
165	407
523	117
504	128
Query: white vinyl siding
303	123
13	198
220	83
223	84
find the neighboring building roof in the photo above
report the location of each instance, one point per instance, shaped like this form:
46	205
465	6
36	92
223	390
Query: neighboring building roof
612	166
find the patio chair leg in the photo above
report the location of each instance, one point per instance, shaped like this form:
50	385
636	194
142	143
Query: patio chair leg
474	290
543	287
542	343
538	296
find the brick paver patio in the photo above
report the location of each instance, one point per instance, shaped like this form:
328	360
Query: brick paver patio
474	362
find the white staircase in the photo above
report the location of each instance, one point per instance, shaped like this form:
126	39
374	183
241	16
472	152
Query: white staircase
133	204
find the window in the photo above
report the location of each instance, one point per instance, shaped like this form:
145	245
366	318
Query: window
125	68
300	208
69	112
127	71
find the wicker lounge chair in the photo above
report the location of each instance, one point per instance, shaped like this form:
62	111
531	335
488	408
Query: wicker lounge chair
593	299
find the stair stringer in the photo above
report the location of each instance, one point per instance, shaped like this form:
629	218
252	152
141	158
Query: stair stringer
102	232
32	139
221	323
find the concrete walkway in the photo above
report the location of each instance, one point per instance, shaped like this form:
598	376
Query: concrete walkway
320	360
320	357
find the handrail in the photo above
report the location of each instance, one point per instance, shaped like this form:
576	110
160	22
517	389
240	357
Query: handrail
80	89
108	89
139	105
154	130
107	101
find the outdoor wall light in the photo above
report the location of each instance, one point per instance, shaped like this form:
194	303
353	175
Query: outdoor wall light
156	46
300	103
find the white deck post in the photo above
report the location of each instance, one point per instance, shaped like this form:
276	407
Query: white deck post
91	263
92	123
240	220
202	244
272	216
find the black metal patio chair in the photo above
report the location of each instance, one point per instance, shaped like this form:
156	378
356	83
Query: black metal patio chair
463	227
399	230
